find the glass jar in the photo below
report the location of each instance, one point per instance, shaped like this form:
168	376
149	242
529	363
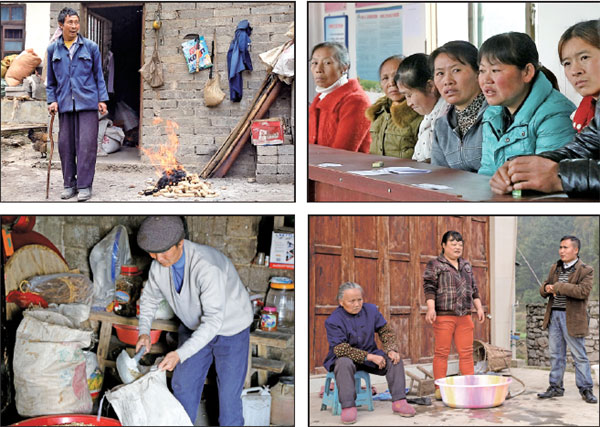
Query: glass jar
127	291
281	295
268	319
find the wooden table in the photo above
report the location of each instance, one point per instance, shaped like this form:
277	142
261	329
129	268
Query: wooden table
336	184
108	320
282	338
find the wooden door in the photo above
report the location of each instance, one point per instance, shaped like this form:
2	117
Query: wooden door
387	257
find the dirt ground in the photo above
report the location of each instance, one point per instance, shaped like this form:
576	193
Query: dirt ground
119	178
524	409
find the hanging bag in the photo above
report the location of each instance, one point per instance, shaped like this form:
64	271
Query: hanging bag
213	95
152	71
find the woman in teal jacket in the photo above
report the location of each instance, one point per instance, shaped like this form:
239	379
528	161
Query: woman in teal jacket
526	114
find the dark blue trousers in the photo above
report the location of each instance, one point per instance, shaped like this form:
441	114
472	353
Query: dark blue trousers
230	355
77	146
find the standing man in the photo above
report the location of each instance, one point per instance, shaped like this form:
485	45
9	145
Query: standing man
204	290
568	285
76	90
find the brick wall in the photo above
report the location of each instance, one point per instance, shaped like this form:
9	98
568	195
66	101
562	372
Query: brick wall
202	129
538	353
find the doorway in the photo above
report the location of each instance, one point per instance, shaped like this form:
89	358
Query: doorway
118	31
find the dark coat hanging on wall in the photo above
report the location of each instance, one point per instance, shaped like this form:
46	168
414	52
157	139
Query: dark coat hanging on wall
238	59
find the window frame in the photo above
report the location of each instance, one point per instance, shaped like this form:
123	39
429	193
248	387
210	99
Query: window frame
12	25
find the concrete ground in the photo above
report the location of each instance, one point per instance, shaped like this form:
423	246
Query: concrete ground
119	177
525	409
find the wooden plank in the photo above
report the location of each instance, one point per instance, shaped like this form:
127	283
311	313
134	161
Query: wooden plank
271	339
270	365
104	316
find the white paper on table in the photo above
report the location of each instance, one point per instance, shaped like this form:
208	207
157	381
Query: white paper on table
406	170
329	165
432	186
371	172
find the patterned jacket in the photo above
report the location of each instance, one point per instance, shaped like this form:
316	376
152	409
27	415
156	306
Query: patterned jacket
452	290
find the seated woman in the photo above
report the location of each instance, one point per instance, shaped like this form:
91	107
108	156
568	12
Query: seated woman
457	136
336	117
526	114
350	333
574	168
415	82
394	125
450	291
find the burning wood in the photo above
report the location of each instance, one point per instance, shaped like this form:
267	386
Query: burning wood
176	183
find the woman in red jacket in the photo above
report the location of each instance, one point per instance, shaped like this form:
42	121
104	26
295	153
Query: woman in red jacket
337	114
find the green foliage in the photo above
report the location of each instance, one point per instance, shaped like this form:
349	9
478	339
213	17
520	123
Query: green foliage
370	85
538	237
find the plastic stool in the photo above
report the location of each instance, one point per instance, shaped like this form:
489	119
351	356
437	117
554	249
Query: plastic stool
363	397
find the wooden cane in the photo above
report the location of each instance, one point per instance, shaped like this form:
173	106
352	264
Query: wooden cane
51	151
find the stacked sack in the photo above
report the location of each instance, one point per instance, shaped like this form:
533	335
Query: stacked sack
21	67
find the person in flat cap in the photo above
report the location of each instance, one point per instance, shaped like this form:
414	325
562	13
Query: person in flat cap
206	293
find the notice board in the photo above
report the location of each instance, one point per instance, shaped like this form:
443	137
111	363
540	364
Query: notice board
378	35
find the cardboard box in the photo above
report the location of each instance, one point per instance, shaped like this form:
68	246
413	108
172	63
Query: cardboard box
267	132
282	250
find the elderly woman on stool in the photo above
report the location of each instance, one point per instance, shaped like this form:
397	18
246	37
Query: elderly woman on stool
350	333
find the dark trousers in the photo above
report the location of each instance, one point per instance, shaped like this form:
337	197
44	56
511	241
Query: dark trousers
345	369
77	146
230	355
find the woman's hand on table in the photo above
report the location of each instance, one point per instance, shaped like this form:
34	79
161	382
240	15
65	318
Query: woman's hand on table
500	182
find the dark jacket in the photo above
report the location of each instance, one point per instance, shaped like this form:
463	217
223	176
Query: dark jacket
452	151
579	161
394	128
453	290
577	291
80	79
238	59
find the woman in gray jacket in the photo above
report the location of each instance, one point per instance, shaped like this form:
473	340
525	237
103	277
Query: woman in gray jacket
457	136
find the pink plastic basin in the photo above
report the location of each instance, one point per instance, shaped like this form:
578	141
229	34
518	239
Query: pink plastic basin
474	391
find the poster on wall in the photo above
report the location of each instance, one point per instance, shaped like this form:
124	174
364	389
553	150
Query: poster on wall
336	29
378	35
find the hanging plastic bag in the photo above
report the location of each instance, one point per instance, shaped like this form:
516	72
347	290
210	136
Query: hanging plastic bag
152	71
106	260
196	54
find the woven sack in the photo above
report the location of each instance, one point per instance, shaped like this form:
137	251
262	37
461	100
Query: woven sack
21	67
213	95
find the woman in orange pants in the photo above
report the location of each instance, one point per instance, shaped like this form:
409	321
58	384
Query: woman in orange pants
450	291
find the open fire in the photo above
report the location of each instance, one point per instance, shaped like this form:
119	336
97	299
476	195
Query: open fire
173	180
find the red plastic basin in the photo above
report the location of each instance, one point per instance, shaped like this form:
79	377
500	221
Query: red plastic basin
129	334
48	420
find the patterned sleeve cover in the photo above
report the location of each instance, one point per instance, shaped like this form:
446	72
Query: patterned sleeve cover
386	334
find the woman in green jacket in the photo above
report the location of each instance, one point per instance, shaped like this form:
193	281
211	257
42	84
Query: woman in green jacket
526	114
394	125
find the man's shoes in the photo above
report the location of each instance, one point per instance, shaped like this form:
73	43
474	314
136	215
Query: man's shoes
438	394
402	408
84	194
349	415
67	193
588	396
552	391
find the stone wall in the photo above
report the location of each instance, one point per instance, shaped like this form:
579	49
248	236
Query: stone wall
538	353
202	129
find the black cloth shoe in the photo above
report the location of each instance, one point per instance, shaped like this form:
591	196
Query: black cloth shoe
588	396
552	391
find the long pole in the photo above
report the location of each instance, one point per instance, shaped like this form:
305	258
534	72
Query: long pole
51	151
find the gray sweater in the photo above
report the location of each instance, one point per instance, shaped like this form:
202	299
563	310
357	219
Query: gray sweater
449	150
213	300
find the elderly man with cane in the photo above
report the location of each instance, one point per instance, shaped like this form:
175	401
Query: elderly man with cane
76	90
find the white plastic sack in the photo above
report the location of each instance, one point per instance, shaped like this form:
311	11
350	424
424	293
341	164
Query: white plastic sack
49	365
112	139
106	260
148	402
127	115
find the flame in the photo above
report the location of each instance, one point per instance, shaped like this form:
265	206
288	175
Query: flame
164	159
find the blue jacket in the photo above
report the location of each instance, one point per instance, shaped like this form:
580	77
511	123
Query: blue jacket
452	151
542	123
80	79
238	60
